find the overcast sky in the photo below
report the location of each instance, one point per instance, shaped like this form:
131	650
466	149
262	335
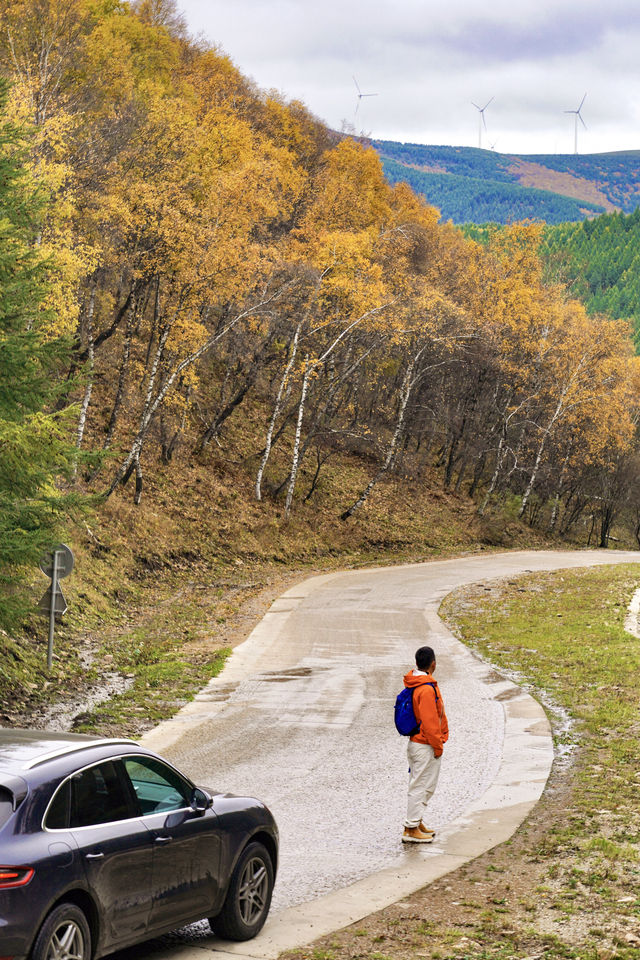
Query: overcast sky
428	61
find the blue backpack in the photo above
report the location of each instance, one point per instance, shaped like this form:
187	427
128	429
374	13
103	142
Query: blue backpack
404	717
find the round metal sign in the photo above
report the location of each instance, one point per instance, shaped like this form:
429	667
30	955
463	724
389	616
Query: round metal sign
64	564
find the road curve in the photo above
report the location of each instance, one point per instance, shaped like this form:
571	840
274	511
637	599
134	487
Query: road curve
302	717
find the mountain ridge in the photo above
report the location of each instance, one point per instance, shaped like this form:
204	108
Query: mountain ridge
470	184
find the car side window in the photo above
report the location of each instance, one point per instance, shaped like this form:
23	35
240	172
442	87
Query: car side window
6	806
58	813
98	795
157	787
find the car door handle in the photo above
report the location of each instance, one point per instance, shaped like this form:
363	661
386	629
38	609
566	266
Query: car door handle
94	856
163	839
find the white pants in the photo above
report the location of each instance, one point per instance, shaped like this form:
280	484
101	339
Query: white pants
423	777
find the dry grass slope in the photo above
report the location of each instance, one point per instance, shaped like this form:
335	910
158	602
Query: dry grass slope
162	591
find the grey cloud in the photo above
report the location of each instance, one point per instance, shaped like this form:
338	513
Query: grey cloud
428	60
559	35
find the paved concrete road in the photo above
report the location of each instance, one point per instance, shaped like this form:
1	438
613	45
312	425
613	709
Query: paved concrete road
302	715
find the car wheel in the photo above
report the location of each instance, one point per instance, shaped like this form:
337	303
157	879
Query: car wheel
248	898
64	935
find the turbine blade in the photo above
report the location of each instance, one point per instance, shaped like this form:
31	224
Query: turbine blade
476	106
582	121
581	102
356	83
488	102
483	119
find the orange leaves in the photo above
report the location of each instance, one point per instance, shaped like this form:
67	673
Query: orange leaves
576	374
350	192
132	59
200	215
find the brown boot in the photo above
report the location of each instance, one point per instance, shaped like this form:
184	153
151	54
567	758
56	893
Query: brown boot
415	835
424	829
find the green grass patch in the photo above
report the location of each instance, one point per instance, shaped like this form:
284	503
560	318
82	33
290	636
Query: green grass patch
564	633
158	690
166	660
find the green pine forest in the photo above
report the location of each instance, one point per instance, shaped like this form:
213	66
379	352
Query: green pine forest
464	198
600	260
471	185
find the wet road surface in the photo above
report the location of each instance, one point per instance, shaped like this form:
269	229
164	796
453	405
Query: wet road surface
302	715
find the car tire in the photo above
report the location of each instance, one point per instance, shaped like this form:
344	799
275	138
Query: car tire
64	934
248	898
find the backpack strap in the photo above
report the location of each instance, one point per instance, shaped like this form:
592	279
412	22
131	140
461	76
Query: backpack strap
435	689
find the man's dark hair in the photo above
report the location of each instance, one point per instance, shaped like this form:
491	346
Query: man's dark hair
424	658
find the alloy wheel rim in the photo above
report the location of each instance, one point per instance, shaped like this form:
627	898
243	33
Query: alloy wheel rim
254	886
66	943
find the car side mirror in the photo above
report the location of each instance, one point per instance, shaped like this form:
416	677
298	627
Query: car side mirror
201	801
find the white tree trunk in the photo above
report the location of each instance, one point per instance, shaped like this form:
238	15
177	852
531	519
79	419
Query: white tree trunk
296	443
151	405
407	386
276	411
82	420
494	478
556	501
122	379
536	466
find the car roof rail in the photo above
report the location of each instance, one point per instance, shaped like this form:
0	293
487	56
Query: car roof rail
72	748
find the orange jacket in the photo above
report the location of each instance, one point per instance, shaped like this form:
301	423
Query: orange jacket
429	711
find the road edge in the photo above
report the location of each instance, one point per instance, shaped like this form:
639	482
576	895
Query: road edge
490	820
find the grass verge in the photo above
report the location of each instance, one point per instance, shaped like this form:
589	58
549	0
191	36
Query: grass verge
120	669
567	884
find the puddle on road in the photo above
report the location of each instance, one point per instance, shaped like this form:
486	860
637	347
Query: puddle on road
218	693
284	676
222	692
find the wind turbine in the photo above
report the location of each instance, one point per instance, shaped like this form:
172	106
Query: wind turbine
360	96
575	129
481	120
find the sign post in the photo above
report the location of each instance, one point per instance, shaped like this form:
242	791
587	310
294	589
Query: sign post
56	564
52	609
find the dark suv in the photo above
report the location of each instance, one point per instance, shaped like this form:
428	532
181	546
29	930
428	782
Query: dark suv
103	844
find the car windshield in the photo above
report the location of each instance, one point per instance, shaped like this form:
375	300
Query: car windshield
6	805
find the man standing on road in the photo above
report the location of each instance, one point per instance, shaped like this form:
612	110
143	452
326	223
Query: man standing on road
425	746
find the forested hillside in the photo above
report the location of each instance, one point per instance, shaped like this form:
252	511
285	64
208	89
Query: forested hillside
479	186
471	199
600	260
243	295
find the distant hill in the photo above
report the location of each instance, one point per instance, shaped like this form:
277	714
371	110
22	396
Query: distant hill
476	186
